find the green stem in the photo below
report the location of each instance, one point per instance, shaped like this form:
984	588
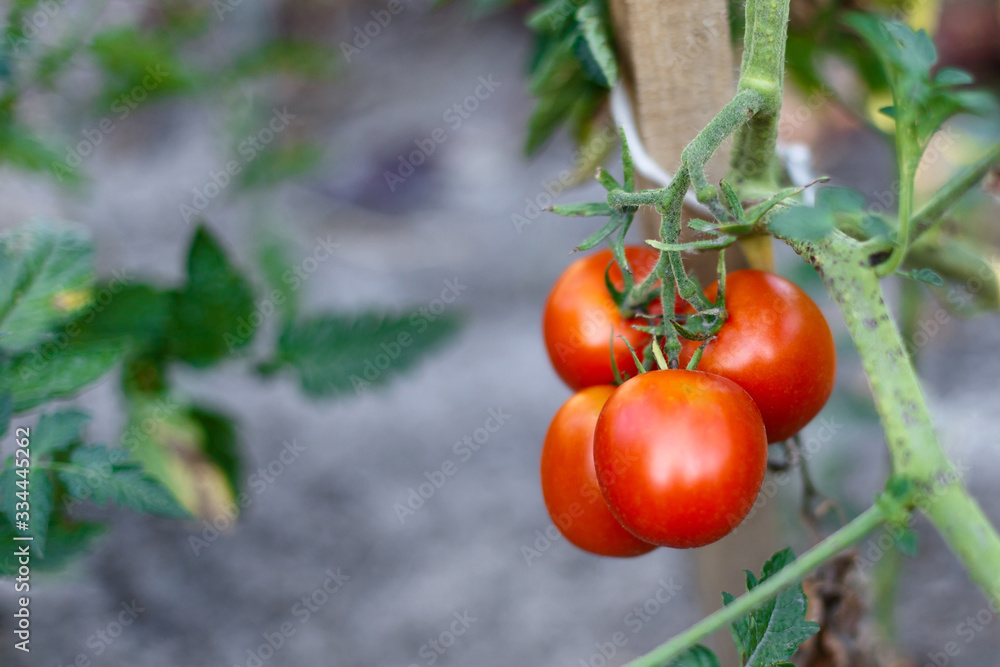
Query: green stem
916	455
763	71
788	576
931	213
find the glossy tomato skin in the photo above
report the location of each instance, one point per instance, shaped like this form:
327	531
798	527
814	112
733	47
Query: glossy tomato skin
680	456
777	345
580	318
569	481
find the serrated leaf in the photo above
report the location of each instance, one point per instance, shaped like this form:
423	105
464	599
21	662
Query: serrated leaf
35	377
801	223
593	46
211	315
335	354
42	264
696	656
67	540
772	632
56	431
583	210
102	475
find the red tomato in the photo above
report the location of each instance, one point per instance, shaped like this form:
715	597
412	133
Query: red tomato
680	456
580	318
569	482
777	345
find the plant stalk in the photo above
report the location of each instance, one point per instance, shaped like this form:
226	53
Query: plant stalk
788	576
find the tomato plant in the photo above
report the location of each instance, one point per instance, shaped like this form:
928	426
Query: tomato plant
680	456
584	327
775	344
569	480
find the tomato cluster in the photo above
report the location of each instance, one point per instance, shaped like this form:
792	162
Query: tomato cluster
673	457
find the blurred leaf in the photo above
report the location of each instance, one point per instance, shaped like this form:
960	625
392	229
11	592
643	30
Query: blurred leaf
908	543
696	656
56	431
924	276
801	223
772	632
286	57
134	312
279	163
211	314
593	46
839	199
274	259
45	271
66	540
6	410
170	444
220	445
19	147
139	65
35	377
335	354
105	475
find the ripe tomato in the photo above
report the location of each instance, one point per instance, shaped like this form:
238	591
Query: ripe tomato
680	456
777	345
569	482
580	318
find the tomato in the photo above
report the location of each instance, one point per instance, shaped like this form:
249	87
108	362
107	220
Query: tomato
569	482
775	344
580	318
680	456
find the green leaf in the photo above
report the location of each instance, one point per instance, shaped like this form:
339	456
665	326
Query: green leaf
56	431
925	276
220	445
145	59
801	223
105	475
617	219
593	46
841	200
733	200
952	76
771	633
696	656
134	313
908	543
6	411
20	148
67	540
552	17
42	496
595	209
274	259
45	271
170	443
37	376
211	314
334	354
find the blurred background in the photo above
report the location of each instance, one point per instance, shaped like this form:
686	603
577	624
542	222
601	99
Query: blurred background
381	146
